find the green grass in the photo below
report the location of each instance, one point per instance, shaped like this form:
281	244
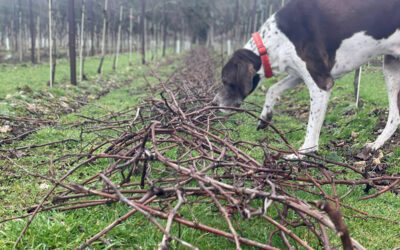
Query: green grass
17	190
22	85
56	230
342	119
15	77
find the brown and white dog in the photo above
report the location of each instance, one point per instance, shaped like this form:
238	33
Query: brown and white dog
315	42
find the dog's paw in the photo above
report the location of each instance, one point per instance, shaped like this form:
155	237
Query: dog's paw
293	157
371	147
262	125
264	122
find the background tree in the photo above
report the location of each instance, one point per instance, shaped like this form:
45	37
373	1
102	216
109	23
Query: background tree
33	32
104	34
82	42
170	24
52	44
72	40
143	30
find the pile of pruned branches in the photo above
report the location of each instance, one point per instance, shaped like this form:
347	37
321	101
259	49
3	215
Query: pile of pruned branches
177	150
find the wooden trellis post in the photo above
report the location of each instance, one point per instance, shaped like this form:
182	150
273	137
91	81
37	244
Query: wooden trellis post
103	40
72	41
130	36
143	30
115	63
20	46
32	31
81	45
357	81
39	39
270	10
51	43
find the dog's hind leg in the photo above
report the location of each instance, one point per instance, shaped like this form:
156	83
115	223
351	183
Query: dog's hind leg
273	95
392	76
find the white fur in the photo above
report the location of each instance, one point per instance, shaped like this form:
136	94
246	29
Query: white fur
275	92
392	76
361	48
353	52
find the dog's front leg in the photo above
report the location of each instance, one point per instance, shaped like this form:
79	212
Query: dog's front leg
319	102
272	97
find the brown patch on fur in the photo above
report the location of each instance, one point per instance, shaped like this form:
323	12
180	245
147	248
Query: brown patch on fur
318	27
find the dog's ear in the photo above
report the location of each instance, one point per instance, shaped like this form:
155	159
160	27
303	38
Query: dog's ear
245	76
256	81
240	73
239	78
229	73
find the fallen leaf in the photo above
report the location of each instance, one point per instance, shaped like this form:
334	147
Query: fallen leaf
65	105
17	154
364	155
44	186
376	161
361	165
380	155
340	144
5	129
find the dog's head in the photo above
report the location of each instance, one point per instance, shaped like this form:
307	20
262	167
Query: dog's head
239	78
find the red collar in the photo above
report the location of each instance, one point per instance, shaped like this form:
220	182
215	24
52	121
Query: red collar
263	54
